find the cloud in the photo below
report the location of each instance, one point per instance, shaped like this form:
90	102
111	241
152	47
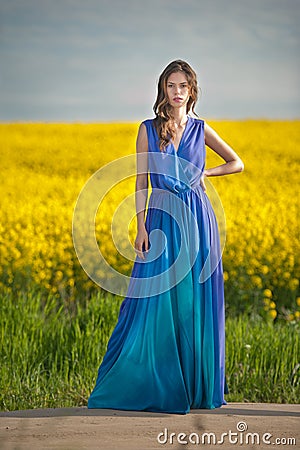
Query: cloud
112	52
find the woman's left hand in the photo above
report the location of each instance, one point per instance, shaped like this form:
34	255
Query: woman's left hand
202	183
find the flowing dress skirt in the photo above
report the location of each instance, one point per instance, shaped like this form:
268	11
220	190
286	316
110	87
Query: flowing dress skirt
167	351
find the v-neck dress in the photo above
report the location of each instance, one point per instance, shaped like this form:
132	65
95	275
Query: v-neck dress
167	350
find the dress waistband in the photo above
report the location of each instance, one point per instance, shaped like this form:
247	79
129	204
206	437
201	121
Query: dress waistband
193	188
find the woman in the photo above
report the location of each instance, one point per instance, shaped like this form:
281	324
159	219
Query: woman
167	351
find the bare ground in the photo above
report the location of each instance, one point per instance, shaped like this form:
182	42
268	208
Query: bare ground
248	426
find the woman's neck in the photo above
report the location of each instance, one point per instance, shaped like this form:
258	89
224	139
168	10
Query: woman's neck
180	116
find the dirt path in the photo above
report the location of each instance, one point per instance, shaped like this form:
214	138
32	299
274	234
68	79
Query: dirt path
80	428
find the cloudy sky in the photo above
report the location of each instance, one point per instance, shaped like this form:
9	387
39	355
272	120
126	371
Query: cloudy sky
98	60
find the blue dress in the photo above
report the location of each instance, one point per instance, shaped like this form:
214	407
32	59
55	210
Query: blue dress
167	350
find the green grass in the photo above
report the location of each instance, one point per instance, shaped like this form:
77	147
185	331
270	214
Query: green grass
50	354
262	360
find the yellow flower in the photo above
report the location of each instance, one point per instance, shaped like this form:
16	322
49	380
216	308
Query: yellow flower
59	275
273	313
225	275
293	284
257	281
264	269
268	293
298	301
272	305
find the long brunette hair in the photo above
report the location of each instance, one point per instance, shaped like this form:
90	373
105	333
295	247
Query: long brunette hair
164	121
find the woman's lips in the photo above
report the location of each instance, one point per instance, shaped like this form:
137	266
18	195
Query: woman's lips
177	99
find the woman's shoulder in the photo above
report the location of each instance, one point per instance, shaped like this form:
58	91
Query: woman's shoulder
147	125
146	128
147	122
197	120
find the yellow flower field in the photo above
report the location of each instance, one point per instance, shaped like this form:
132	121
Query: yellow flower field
45	166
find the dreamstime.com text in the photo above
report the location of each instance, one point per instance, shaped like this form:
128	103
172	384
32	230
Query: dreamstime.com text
241	437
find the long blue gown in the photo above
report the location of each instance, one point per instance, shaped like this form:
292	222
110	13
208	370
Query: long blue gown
167	350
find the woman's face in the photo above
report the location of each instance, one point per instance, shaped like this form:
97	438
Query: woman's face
178	91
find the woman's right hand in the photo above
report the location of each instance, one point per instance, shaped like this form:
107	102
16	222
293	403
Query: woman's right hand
141	239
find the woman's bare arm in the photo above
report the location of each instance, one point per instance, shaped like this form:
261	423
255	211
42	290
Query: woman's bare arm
141	189
233	162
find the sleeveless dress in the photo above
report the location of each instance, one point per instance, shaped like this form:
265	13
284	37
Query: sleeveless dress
167	350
